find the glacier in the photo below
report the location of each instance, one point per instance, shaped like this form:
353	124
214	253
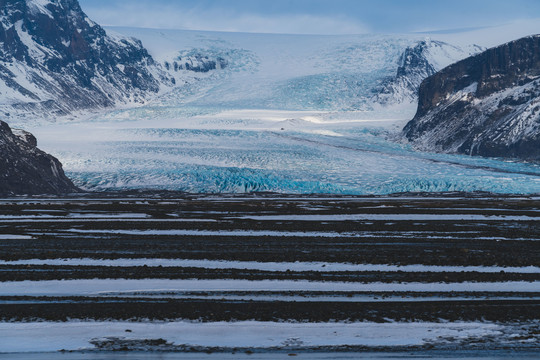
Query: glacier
276	113
236	154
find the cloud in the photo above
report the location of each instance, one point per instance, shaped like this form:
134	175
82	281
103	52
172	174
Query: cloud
174	17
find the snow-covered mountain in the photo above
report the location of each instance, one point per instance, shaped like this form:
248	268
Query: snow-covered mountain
55	61
487	105
295	72
24	169
229	112
417	63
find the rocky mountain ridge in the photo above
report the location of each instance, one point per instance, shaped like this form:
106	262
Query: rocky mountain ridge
416	63
24	169
54	60
488	104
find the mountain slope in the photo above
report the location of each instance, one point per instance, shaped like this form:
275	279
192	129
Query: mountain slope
296	72
417	63
24	169
486	105
54	60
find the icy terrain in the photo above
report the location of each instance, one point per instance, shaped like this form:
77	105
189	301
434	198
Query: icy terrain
216	71
77	335
244	151
281	113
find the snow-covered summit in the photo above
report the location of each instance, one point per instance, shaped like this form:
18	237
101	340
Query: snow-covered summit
418	62
55	61
295	72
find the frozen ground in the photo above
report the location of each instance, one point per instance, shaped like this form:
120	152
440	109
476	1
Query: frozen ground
440	355
269	266
76	335
169	273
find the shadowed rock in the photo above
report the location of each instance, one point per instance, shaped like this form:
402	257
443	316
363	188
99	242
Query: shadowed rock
24	169
488	104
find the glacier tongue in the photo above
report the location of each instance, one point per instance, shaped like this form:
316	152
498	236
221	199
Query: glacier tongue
279	151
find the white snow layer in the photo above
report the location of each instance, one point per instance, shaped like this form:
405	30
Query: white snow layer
76	335
103	287
390	217
271	266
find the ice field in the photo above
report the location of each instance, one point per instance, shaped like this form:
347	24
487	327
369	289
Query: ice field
288	114
288	156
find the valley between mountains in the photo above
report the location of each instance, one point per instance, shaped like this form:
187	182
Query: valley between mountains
173	193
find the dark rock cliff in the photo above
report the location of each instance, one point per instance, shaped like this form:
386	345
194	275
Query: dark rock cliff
417	63
24	169
488	104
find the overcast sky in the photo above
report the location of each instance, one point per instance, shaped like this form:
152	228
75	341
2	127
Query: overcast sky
311	16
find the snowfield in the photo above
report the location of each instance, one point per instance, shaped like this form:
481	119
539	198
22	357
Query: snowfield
49	337
271	266
104	287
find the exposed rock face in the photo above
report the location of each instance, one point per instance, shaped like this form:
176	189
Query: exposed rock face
488	104
197	63
24	169
417	63
55	60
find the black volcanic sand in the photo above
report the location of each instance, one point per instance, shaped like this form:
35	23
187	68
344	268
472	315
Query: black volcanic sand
48	272
87	227
434	242
223	310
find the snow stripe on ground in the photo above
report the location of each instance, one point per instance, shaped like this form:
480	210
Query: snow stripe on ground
271	266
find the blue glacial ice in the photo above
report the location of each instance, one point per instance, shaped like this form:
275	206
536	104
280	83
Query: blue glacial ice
345	160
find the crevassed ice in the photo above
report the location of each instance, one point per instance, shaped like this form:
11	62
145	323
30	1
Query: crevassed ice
238	161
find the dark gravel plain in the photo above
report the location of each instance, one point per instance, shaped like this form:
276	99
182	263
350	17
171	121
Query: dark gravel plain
455	230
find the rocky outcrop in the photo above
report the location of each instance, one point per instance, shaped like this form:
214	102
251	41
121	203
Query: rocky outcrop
488	104
417	63
196	62
54	61
24	169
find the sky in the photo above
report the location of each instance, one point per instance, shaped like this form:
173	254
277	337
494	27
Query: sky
311	16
